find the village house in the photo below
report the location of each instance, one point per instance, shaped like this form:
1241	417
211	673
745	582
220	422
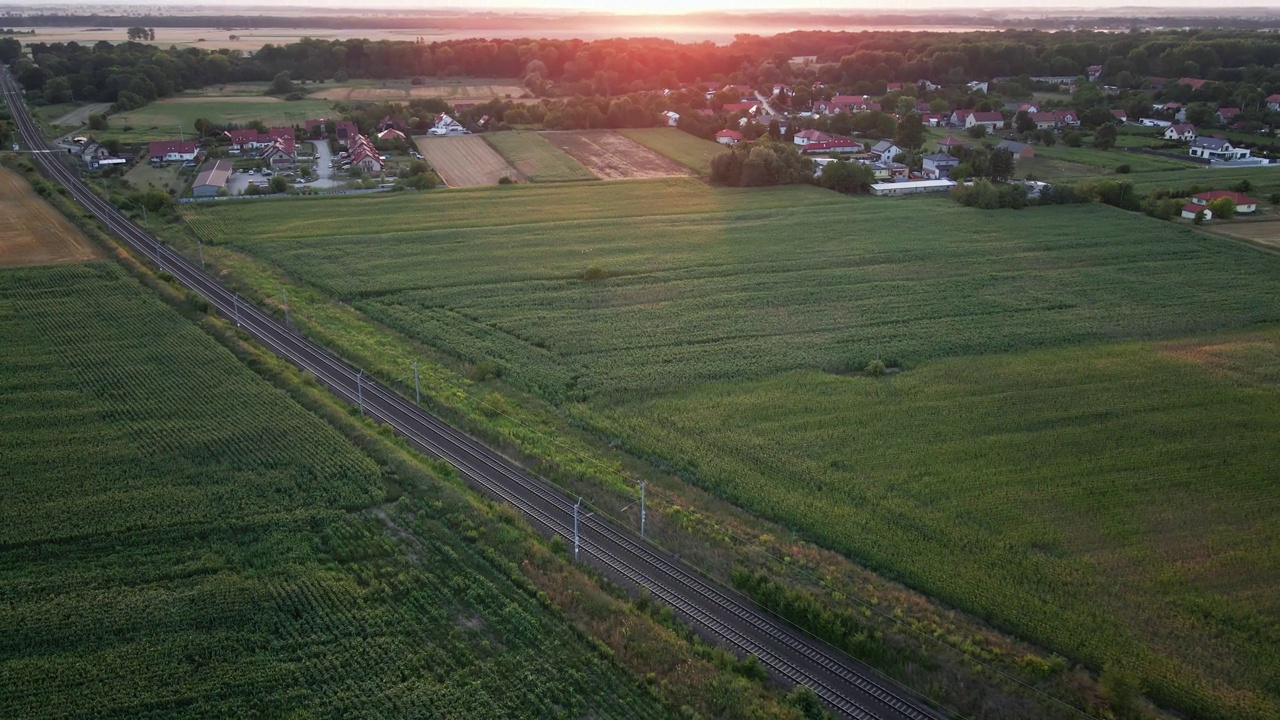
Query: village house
345	132
804	137
212	179
1273	102
390	135
993	121
315	128
959	117
1066	117
1094	73
889	171
1244	204
669	118
1191	210
1120	116
95	155
1216	150
445	125
282	152
1182	131
1226	116
252	141
834	145
931	119
729	137
1044	120
750	108
364	156
885	151
172	151
949	143
939	165
1022	151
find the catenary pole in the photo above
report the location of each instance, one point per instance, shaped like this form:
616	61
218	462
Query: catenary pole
417	393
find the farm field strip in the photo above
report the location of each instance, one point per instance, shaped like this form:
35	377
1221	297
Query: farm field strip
692	152
747	293
612	156
466	160
198	544
536	158
1098	500
161	120
34	233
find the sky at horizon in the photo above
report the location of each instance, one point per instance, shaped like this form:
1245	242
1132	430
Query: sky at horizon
1020	7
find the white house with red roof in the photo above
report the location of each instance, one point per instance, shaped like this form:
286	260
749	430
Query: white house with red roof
729	137
345	132
959	117
949	143
834	145
172	150
1244	204
1273	102
1066	117
364	156
805	137
282	151
931	119
1044	120
1192	210
1184	132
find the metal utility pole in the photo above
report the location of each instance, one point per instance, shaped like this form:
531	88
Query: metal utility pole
200	247
235	300
285	293
642	484
360	391
417	393
575	529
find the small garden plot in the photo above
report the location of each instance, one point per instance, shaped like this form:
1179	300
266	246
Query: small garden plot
466	160
614	157
536	158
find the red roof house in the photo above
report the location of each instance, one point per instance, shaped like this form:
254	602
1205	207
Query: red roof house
729	137
172	150
1244	203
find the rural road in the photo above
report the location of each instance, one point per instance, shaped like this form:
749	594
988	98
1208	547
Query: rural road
850	688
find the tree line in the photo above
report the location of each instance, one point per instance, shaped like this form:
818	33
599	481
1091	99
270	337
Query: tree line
861	63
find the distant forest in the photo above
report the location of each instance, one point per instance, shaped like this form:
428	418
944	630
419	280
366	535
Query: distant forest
1260	20
1242	64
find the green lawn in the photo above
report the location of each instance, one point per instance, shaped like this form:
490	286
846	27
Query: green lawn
1117	503
178	538
692	152
161	120
1054	435
535	156
1111	159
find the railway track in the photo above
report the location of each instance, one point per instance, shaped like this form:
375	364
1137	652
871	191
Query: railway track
850	688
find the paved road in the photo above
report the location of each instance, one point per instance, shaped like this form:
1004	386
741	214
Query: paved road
850	688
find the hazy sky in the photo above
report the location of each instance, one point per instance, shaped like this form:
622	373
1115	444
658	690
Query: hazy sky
685	6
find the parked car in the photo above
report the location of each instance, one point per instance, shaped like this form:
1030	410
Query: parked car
267	173
252	171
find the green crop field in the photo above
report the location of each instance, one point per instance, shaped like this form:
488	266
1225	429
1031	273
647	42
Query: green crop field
692	152
1116	503
161	120
178	538
1061	439
535	156
742	293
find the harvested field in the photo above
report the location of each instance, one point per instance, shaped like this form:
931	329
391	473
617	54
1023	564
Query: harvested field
80	115
537	158
470	91
34	232
614	157
466	160
1262	232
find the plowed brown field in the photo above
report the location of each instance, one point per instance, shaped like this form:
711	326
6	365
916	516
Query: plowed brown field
32	232
466	160
613	157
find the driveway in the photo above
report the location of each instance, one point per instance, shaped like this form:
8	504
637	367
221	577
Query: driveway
324	171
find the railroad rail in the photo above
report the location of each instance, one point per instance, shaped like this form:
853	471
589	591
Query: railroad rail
849	687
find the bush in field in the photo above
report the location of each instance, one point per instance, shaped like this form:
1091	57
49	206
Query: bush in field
97	121
595	273
875	368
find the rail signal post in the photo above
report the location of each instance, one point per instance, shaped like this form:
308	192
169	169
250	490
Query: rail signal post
417	393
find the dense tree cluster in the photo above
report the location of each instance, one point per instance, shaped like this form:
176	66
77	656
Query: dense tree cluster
764	163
